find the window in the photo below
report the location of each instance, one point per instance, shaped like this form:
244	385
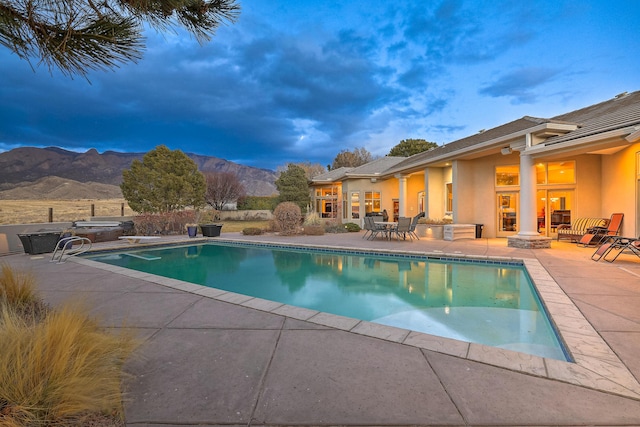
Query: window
449	199
372	201
327	201
556	173
355	205
507	175
344	205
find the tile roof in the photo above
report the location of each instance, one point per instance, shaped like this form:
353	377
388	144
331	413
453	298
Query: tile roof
332	175
618	113
377	166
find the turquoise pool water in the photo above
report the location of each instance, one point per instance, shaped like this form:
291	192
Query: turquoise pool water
491	304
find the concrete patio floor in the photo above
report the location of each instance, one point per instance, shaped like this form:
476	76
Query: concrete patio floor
215	358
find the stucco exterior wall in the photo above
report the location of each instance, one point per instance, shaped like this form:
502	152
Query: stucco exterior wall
588	187
434	179
415	184
620	191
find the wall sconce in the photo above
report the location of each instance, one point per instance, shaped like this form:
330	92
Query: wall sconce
505	151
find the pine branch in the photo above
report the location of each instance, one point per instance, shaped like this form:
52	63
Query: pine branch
81	35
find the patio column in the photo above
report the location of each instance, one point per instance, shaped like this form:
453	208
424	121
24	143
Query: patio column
402	195
528	236
528	226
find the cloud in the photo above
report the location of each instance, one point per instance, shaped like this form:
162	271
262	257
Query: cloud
520	85
304	80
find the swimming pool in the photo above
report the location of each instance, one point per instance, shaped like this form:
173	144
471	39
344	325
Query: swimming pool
482	302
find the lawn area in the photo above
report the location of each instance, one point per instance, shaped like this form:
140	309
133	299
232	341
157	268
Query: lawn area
237	226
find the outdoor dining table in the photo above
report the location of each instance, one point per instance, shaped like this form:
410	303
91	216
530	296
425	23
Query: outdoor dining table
389	226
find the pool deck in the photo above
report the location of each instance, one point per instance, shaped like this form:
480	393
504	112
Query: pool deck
211	357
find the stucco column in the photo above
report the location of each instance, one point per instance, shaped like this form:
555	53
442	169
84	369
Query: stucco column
528	220
402	195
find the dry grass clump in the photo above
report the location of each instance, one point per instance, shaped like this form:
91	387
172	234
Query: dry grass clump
60	369
252	231
17	290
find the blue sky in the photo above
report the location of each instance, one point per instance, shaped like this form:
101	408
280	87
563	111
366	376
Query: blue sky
300	81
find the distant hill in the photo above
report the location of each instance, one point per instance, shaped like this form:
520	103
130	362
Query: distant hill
56	188
32	172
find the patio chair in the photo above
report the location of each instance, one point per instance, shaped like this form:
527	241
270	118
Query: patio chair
372	228
368	226
619	244
414	223
599	235
403	228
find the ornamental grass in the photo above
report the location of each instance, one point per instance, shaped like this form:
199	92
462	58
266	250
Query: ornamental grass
58	369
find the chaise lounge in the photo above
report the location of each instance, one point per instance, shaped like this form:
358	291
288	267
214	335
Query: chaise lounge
579	227
598	235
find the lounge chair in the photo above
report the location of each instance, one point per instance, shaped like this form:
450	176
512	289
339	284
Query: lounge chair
618	244
403	228
598	235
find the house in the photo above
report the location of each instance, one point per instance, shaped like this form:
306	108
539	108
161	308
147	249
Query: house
520	180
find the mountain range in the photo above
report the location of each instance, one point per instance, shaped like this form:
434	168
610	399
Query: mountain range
54	173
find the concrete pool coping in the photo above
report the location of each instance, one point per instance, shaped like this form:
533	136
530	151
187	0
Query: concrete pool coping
596	365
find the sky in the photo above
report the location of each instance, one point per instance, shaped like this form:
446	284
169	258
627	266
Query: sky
299	81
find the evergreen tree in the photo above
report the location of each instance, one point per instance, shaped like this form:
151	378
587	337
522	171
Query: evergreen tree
293	186
80	35
164	181
409	147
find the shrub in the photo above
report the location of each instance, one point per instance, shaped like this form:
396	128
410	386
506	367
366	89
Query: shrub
252	231
334	227
288	216
432	221
250	203
352	227
163	223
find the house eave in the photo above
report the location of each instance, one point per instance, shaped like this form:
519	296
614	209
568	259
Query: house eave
604	142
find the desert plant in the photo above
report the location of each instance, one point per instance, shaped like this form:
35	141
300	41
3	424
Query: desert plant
312	218
208	216
288	216
252	231
58	369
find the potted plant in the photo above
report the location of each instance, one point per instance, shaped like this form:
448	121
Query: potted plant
313	224
192	230
208	227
